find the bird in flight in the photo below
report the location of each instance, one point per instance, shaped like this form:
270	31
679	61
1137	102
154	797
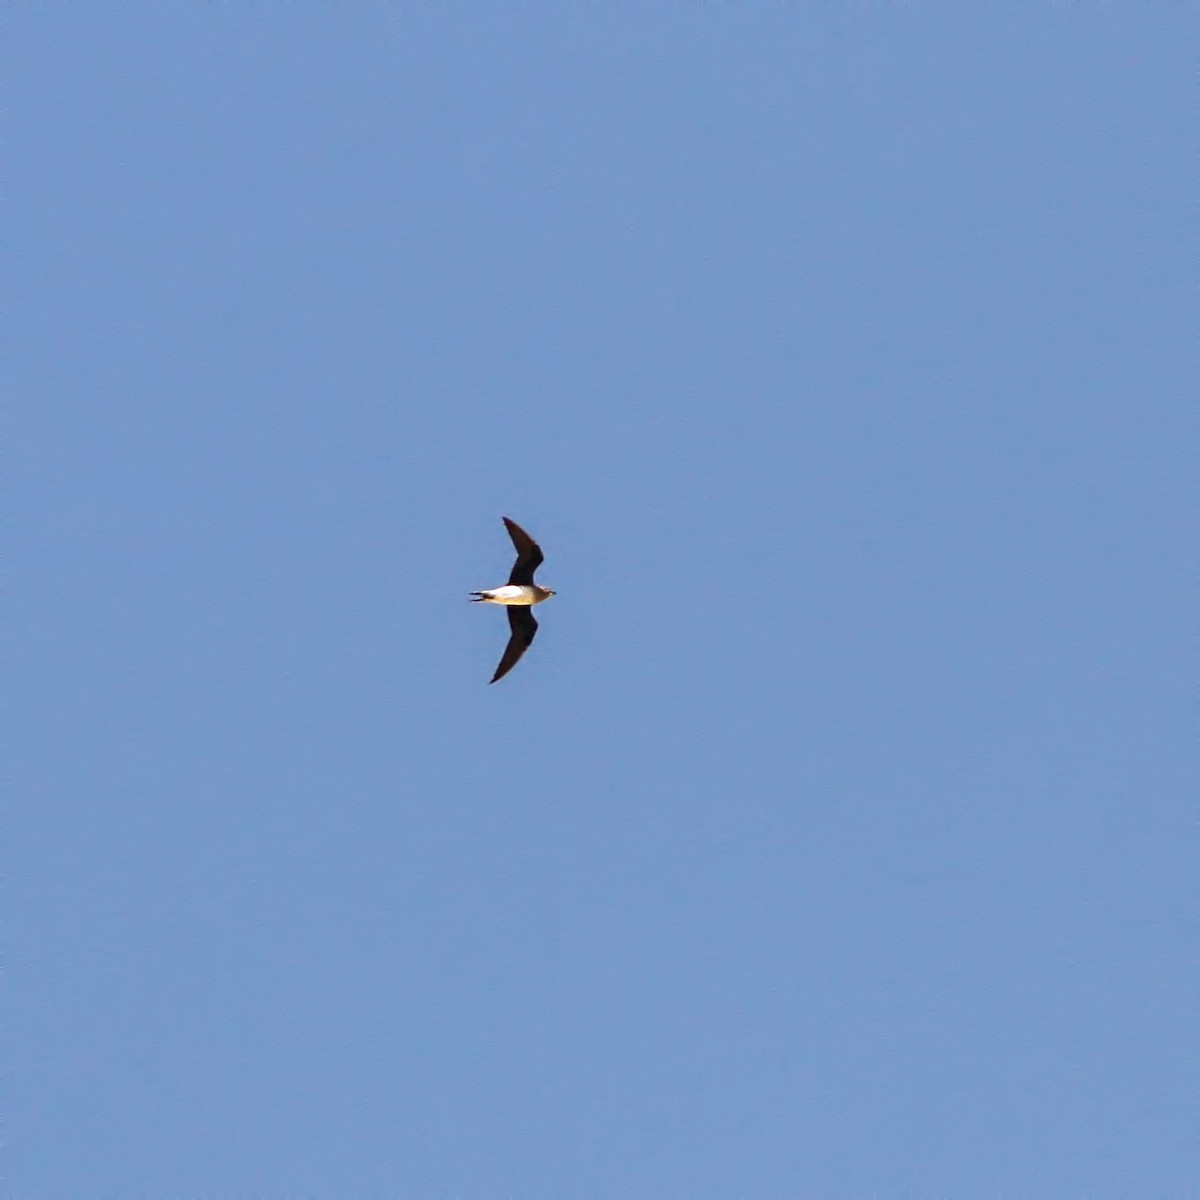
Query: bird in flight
520	594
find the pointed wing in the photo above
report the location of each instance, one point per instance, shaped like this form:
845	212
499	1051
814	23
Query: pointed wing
529	555
523	626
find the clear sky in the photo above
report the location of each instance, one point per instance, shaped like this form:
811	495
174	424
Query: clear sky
836	837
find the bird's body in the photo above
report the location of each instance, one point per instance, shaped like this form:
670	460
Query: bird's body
519	595
514	593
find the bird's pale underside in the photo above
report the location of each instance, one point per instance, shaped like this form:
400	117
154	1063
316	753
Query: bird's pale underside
518	596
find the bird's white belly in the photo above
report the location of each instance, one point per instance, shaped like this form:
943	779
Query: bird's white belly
512	593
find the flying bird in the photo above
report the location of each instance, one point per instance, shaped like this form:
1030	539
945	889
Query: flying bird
520	594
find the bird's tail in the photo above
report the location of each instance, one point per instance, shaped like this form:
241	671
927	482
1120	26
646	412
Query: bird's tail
477	596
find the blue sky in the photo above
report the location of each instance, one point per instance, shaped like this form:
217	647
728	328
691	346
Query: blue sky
835	838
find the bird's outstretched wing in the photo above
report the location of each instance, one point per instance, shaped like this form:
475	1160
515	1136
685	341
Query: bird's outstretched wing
529	555
523	626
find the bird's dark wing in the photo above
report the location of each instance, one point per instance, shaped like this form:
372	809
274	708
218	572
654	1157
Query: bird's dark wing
529	555
523	626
